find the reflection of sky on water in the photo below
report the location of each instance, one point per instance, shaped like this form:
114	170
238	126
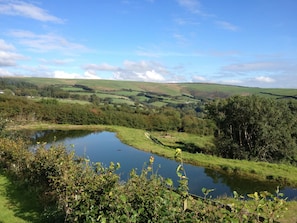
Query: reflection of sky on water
105	147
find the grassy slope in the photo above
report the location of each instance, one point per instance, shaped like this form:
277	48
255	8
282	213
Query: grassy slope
176	89
118	92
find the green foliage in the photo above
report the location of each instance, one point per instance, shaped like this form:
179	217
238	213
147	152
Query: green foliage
255	128
3	123
22	110
143	198
183	188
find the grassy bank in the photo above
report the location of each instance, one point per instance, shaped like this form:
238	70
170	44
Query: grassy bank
282	173
18	205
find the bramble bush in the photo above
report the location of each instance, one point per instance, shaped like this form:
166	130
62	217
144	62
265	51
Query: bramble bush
73	189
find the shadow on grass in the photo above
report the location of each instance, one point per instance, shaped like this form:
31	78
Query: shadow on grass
22	202
188	147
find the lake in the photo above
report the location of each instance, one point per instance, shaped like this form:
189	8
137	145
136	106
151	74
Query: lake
105	147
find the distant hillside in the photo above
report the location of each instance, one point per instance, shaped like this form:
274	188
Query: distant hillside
172	89
132	92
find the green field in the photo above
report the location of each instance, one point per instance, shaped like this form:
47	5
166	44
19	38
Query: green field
128	88
149	94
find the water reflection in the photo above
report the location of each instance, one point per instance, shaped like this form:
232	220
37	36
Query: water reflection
239	184
105	147
54	135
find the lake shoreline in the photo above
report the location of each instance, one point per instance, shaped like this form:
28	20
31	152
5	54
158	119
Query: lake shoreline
282	174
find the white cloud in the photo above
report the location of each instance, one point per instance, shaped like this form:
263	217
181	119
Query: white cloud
101	67
194	7
131	70
24	9
191	5
264	79
8	58
232	82
150	75
4	73
141	71
5	46
63	74
46	42
90	75
7	55
226	25
66	75
198	79
56	61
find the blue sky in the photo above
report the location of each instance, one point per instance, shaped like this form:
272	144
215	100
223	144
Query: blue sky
246	42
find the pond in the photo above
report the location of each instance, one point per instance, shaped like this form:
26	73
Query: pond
105	147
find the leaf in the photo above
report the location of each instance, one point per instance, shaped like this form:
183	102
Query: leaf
185	204
179	167
123	198
169	182
235	194
204	190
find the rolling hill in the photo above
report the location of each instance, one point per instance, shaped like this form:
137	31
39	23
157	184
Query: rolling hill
157	94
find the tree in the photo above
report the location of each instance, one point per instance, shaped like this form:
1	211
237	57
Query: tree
94	99
253	127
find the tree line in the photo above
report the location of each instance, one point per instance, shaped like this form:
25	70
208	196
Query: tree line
24	88
50	110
